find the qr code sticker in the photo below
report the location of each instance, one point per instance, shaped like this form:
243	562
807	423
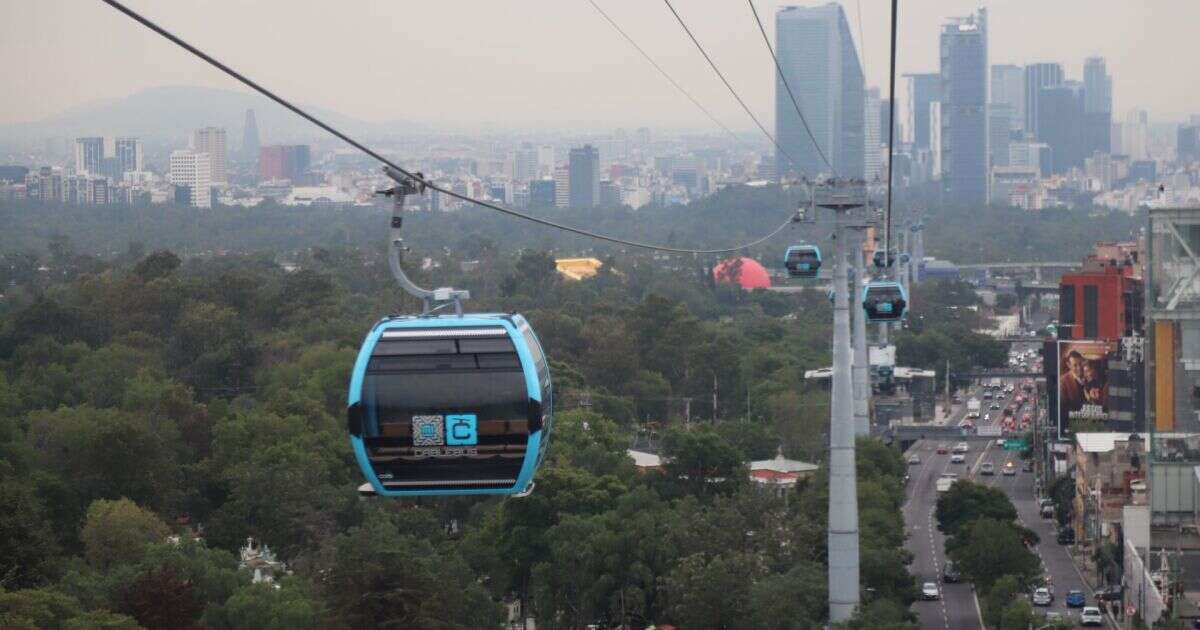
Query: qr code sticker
428	431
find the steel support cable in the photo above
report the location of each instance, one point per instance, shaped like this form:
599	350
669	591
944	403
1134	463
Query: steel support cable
732	91
663	72
791	95
887	229
416	177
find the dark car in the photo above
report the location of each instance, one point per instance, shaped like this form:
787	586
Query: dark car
1075	599
950	574
1066	536
1109	593
1027	466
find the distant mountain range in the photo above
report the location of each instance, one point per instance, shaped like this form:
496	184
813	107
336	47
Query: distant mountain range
173	111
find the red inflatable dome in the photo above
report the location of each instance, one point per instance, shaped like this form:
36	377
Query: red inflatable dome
746	272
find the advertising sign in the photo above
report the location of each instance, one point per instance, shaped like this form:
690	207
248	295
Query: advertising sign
1083	384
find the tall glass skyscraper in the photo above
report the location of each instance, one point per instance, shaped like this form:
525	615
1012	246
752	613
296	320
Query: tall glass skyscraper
1008	88
817	54
964	108
583	188
1097	106
923	89
1062	125
1038	76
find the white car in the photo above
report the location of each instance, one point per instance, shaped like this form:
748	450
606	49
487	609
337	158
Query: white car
929	590
961	447
958	458
1042	597
1091	617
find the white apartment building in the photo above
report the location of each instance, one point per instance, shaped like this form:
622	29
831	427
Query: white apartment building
193	170
211	140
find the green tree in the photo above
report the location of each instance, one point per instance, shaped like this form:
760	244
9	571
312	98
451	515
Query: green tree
796	600
382	578
28	550
101	620
41	608
986	549
966	502
261	606
160	264
118	532
701	460
162	598
881	614
712	591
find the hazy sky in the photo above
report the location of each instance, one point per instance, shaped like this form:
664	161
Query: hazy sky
547	63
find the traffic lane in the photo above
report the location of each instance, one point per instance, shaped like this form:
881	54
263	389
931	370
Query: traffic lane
1060	570
956	608
962	610
924	541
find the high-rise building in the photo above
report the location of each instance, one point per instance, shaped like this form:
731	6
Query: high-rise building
583	165
284	161
89	152
190	173
610	195
250	142
872	158
1061	125
1097	106
541	193
525	163
1028	154
1000	120
1135	135
1187	143
211	140
1038	76
885	117
562	187
923	89
816	53
964	72
129	154
1008	88
935	140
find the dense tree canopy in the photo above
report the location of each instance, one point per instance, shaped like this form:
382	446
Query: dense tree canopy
158	409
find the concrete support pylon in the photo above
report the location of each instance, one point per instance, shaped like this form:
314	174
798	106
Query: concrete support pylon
862	378
843	487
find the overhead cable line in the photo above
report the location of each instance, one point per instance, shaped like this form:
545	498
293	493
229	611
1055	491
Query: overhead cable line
887	231
417	177
732	91
663	72
791	95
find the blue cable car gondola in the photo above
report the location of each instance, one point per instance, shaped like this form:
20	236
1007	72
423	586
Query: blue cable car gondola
802	261
450	405
884	301
883	261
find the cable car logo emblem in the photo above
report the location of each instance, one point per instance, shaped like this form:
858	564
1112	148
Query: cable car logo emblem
456	429
428	431
461	429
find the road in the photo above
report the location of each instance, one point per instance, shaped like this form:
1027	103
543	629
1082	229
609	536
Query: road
1059	568
957	608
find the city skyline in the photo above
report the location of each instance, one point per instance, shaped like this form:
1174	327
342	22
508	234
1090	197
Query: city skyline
622	89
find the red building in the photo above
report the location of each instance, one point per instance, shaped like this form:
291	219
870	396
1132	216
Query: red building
283	161
1104	299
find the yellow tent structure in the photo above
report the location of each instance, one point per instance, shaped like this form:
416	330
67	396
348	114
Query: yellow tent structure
578	268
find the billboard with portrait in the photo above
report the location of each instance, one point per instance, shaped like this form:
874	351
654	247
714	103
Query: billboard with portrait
1083	384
